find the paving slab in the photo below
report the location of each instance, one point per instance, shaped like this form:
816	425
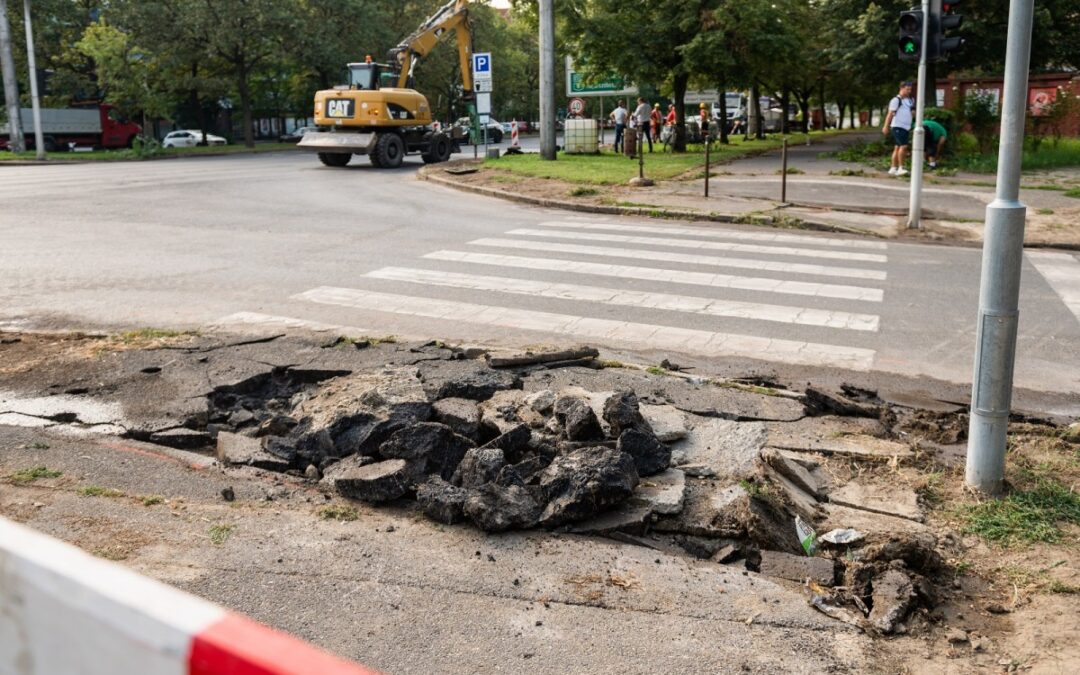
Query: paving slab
891	500
857	445
729	449
665	493
871	524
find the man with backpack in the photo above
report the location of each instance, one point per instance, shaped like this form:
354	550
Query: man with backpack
898	122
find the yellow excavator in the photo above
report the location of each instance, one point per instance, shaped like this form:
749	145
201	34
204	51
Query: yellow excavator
378	113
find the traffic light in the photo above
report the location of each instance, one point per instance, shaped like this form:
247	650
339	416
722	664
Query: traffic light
911	30
941	20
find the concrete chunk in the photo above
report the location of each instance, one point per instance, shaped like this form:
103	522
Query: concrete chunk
791	470
798	568
378	482
855	445
665	492
667	422
237	449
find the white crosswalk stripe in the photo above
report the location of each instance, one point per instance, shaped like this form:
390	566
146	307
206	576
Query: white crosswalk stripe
666	301
738	235
762	284
1062	272
640	335
702	244
687	258
567	274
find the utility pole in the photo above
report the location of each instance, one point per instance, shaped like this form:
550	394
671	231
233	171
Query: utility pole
39	141
11	85
918	143
1003	254
547	79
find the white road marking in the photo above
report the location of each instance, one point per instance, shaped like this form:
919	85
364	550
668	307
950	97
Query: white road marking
761	284
718	233
647	336
688	258
640	299
1062	272
275	321
699	244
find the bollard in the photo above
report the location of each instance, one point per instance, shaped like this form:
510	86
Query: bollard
641	156
706	164
514	136
783	173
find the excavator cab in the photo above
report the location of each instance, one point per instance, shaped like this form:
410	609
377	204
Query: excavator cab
370	75
363	75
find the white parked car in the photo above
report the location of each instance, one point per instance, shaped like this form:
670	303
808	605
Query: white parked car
189	138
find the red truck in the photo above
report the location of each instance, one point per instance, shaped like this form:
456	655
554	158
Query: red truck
97	126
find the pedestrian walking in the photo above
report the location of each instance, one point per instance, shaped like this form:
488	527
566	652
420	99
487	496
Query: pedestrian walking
618	116
668	134
898	123
643	116
935	141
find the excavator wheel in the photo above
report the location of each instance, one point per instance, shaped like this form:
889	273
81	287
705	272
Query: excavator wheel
438	149
389	151
335	159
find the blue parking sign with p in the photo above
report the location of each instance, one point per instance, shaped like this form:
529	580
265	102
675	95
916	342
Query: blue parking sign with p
481	63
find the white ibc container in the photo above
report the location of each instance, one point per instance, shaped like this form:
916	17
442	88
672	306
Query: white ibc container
580	136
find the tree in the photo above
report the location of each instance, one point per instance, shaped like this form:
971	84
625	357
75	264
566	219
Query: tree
128	76
644	42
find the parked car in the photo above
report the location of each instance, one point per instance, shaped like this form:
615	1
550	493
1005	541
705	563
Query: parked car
495	129
189	138
296	134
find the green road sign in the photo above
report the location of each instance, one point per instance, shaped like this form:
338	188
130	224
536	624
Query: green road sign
608	86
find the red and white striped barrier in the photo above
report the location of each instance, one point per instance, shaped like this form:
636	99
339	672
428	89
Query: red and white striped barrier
65	611
514	135
436	125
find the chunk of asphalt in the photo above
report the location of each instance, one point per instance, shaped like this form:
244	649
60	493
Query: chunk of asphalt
821	571
378	482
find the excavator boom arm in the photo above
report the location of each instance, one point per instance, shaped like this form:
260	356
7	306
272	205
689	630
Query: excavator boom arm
453	16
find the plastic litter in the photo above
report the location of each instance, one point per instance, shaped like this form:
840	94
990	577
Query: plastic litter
807	536
841	537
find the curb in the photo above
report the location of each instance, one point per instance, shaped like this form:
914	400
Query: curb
425	173
65	611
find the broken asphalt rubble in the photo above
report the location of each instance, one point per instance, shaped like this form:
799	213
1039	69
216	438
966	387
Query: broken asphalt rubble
550	440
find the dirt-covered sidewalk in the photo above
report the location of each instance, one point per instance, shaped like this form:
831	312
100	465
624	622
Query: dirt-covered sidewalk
430	507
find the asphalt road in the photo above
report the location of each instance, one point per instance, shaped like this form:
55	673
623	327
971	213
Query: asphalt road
271	241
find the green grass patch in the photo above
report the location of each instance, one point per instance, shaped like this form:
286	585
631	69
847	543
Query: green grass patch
99	491
608	168
582	191
338	512
150	334
126	155
657	370
1045	212
612	363
152	500
1074	193
848	172
1024	516
1057	586
31	475
219	534
361	342
791	171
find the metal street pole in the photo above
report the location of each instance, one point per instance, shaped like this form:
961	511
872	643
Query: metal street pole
11	85
1003	254
547	79
39	141
919	134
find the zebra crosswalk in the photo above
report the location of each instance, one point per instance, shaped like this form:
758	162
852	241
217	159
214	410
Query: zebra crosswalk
784	297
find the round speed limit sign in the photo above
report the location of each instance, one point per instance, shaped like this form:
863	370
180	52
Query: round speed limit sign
577	106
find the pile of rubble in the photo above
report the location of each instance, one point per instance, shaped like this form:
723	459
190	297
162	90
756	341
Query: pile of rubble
467	442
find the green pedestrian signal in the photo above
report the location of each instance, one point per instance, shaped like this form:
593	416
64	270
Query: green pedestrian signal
911	30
